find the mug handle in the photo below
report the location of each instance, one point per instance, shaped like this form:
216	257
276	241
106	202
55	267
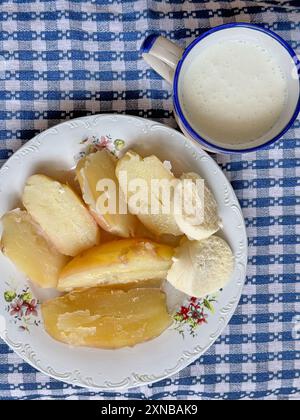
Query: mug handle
162	55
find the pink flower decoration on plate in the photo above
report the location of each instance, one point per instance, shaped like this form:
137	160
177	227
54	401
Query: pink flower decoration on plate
16	307
31	308
104	141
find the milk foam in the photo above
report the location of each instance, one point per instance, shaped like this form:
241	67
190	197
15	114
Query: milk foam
233	92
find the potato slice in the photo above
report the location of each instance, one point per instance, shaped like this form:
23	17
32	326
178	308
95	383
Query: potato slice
210	222
141	284
134	167
123	261
25	244
92	169
61	214
107	318
201	268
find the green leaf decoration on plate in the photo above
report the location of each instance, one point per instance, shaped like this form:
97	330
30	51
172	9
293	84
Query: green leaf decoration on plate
119	144
9	296
26	297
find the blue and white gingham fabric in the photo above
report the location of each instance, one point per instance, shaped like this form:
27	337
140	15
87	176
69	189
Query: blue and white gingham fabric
63	59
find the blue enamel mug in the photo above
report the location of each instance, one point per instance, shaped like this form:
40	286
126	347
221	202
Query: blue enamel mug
262	113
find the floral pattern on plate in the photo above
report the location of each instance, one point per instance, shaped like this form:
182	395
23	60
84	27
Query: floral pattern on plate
193	314
22	307
93	144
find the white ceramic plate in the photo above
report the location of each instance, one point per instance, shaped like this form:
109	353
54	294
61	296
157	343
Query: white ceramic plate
55	151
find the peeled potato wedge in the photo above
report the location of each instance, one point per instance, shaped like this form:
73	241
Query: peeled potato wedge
24	243
107	318
210	221
133	167
61	214
92	169
141	284
118	262
201	268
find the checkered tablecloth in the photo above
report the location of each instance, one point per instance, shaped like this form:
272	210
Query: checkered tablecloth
62	59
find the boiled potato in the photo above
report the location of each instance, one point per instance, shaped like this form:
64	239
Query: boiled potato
92	169
61	214
117	262
210	221
24	243
201	268
107	318
142	284
133	167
